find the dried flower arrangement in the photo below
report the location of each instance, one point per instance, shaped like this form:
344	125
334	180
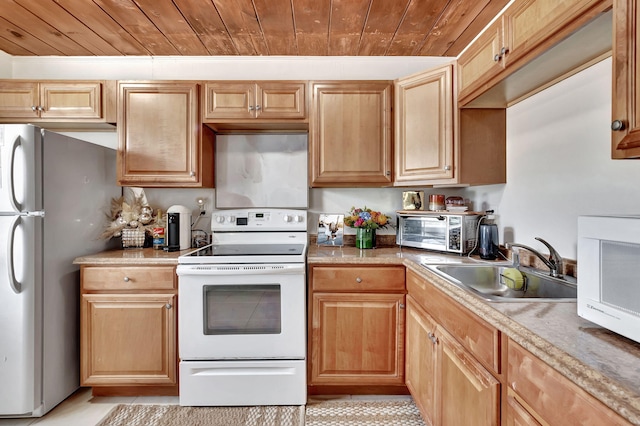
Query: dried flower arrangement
132	214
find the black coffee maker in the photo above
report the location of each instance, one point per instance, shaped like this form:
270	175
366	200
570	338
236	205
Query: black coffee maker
488	243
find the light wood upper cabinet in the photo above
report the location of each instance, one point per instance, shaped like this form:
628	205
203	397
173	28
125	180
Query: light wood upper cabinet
91	101
482	60
437	143
356	326
424	126
548	397
625	136
250	100
526	30
128	326
161	140
350	134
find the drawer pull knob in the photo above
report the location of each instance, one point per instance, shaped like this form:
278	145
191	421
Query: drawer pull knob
168	306
358	280
127	279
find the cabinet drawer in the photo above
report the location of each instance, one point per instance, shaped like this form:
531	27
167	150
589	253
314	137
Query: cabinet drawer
478	337
128	278
553	397
360	279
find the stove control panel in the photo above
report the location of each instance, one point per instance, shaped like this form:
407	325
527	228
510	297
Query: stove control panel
259	220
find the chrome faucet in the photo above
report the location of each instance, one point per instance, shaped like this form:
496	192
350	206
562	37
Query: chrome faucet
554	263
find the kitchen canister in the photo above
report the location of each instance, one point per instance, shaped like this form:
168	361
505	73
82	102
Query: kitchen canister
436	202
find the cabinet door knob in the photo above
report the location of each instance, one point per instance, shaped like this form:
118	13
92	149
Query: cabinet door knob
402	306
504	51
34	108
168	306
251	108
447	168
432	337
497	58
617	125
257	107
192	174
40	108
126	279
358	280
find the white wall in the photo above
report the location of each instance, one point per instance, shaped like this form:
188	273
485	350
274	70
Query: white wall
559	164
221	67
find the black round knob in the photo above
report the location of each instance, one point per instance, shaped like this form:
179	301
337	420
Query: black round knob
617	125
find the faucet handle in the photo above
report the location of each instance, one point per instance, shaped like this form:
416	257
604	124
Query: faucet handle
554	256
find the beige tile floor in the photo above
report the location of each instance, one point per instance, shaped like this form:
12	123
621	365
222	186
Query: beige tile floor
82	409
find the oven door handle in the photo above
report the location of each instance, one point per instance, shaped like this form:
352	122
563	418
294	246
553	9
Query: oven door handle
240	269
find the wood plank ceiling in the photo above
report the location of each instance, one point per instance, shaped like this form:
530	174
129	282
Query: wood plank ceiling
242	27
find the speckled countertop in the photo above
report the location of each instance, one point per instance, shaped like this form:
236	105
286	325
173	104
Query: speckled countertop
601	362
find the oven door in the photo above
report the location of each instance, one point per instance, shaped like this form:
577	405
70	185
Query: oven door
429	232
243	311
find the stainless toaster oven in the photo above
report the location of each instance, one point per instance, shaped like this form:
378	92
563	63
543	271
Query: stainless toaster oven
437	230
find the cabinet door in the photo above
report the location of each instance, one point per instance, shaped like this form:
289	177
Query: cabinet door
481	61
350	134
625	138
158	131
357	339
424	127
467	392
229	101
71	100
19	99
280	100
128	339
420	359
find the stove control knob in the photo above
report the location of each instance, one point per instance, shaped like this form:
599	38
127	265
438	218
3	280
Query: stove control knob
298	218
287	218
219	219
231	219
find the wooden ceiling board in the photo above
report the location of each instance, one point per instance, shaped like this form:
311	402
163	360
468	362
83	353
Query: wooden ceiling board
311	21
40	29
345	28
276	22
239	17
203	17
68	25
25	40
487	14
92	16
456	17
136	23
380	28
242	27
9	46
418	21
168	19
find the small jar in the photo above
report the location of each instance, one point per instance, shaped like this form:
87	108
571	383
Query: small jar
436	202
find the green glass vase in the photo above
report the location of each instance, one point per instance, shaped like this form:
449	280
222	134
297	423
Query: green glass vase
365	238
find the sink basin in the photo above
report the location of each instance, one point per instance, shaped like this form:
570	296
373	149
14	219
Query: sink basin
489	283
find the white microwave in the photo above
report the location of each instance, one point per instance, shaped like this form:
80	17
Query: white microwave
609	272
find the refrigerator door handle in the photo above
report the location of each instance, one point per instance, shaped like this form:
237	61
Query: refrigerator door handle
12	190
15	285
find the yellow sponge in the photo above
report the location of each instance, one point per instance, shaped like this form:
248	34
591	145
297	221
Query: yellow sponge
513	278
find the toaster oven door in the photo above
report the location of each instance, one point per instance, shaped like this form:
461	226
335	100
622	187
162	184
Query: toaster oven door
429	232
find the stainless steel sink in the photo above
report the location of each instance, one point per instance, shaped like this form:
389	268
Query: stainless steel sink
490	283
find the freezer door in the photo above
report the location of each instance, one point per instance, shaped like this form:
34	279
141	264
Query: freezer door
19	369
20	153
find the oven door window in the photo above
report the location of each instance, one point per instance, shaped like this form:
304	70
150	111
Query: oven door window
242	309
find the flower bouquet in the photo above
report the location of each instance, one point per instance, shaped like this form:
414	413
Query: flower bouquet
366	221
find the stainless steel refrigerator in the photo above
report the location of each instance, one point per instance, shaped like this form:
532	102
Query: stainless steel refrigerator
54	194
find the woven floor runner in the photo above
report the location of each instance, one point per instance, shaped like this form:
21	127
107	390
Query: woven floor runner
318	413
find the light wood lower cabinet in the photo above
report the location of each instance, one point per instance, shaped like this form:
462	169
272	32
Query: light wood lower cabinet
538	393
452	359
128	326
356	330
